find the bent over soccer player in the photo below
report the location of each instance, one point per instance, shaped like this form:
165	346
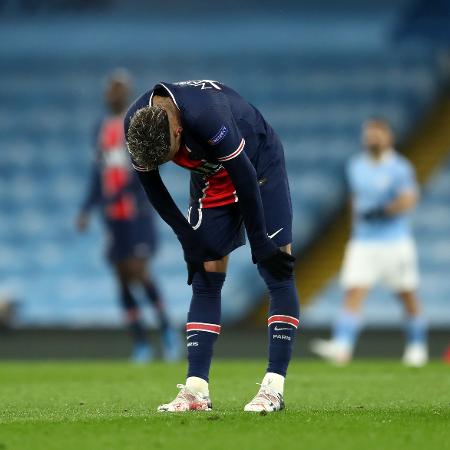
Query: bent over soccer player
238	179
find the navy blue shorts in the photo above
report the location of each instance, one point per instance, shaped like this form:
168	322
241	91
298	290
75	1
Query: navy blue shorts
130	239
222	228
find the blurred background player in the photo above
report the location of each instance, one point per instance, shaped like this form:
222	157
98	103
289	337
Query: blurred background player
382	249
128	220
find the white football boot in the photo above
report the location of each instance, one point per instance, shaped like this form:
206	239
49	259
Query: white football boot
415	355
267	399
336	352
187	400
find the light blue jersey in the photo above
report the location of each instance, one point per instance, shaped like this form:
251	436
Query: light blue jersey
374	184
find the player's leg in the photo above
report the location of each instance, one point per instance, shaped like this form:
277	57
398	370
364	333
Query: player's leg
142	351
416	352
142	276
120	246
171	345
360	271
283	318
347	326
403	278
203	323
222	229
202	330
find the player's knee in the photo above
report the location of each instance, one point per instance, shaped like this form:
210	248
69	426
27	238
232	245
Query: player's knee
219	265
206	283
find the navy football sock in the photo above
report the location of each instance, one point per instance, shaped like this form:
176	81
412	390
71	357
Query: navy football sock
135	325
154	296
203	325
282	322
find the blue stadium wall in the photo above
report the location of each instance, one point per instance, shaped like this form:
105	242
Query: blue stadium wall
315	88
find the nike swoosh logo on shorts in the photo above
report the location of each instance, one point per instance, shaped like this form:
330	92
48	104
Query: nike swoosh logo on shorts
274	234
191	335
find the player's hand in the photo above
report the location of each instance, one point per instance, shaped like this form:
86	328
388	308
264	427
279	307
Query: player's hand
195	254
82	222
280	265
374	214
196	250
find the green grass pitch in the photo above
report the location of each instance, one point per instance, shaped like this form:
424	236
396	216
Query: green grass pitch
368	405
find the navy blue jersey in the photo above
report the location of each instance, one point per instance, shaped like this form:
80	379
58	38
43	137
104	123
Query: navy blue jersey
226	144
218	124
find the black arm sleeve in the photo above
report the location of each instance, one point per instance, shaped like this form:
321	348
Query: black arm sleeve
193	247
244	178
94	193
163	203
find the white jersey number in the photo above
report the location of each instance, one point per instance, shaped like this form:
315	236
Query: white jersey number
203	84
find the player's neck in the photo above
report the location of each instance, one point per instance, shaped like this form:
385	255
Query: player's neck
116	115
168	104
380	156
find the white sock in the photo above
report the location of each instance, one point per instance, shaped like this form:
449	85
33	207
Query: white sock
275	380
198	385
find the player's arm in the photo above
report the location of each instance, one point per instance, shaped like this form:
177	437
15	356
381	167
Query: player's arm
92	198
94	193
406	195
164	204
404	202
162	201
406	191
218	129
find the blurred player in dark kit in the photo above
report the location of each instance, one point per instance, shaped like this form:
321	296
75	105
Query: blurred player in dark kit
131	236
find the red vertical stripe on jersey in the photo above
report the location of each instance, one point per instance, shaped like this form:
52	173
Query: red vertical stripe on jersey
115	177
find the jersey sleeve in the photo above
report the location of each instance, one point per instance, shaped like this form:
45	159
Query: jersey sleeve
167	209
405	180
217	128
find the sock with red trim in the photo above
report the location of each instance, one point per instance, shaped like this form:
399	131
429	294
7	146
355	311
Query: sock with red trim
203	326
282	322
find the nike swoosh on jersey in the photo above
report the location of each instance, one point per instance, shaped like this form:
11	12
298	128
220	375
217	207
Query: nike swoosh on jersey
274	234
